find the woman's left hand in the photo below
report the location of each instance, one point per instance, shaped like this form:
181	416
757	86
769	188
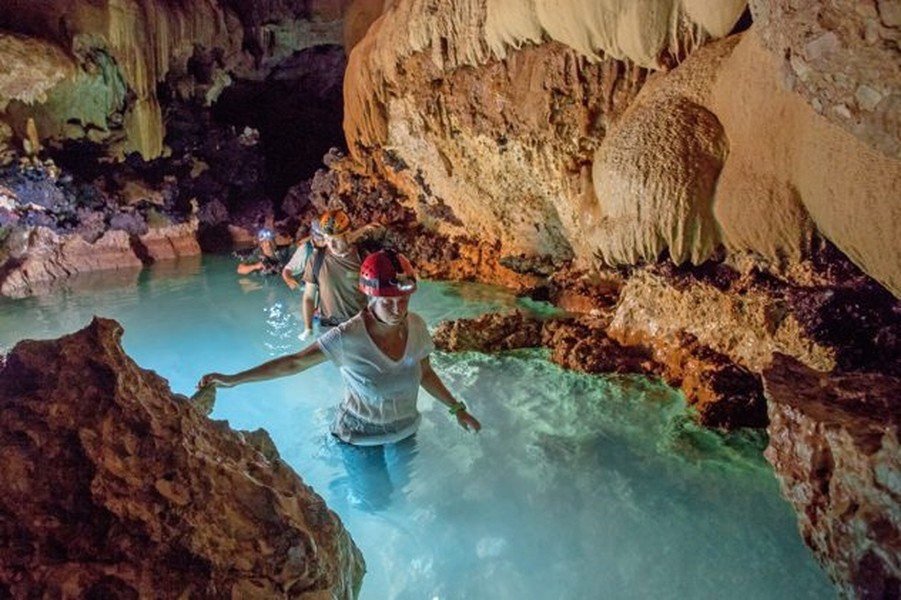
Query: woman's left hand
215	379
468	422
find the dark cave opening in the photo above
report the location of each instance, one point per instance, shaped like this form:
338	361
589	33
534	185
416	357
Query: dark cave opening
298	111
744	22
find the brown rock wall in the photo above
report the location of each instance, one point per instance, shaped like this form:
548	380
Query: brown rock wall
508	143
113	488
834	445
41	257
842	58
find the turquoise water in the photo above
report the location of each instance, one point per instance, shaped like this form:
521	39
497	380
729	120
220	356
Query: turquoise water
577	487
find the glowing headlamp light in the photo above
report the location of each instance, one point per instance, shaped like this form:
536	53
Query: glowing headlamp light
404	283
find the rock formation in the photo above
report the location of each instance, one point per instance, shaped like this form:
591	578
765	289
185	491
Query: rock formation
834	444
123	50
113	488
40	257
559	149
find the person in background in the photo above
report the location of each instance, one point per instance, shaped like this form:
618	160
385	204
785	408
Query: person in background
333	276
382	354
306	250
265	258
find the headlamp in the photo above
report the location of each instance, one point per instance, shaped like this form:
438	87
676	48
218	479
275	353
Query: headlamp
404	283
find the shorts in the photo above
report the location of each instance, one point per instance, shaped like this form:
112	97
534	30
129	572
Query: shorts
354	430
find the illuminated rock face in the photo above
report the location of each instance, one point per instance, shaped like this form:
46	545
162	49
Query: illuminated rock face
113	488
559	148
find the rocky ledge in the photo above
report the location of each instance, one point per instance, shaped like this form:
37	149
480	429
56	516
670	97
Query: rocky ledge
722	393
834	445
112	487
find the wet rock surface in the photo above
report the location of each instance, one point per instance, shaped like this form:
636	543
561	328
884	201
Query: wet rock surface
113	488
723	394
834	443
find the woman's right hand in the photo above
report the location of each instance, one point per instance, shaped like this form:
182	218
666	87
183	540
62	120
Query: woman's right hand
215	379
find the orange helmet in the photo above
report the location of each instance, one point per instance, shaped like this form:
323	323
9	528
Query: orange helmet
387	273
334	222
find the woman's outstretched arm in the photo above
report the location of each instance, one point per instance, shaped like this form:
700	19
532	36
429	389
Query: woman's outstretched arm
282	366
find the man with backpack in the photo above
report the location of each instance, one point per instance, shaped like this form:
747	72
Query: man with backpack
334	273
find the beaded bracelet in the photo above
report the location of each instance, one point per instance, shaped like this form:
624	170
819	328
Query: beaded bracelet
457	408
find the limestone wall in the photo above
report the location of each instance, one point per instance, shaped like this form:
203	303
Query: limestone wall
123	48
621	132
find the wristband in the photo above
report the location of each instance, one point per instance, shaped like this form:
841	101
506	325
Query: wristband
457	408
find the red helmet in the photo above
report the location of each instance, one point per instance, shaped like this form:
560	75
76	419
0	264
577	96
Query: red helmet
387	273
334	222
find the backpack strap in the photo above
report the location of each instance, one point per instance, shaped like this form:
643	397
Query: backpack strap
318	257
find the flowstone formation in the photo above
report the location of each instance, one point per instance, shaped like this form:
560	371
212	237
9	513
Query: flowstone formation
619	135
113	488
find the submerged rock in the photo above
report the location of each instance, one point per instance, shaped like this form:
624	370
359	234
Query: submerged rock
112	488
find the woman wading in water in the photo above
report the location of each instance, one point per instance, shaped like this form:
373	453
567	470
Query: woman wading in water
383	356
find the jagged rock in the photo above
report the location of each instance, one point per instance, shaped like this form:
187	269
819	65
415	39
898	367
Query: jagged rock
834	446
723	394
583	345
580	292
488	333
113	488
